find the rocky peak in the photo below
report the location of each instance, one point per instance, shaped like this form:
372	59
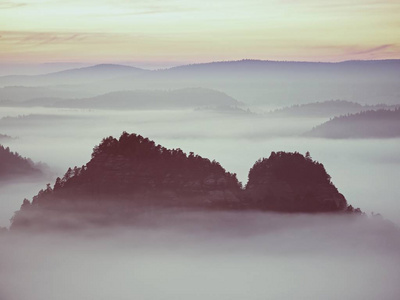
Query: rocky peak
294	183
133	173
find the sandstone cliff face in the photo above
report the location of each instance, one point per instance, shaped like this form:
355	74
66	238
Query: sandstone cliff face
291	182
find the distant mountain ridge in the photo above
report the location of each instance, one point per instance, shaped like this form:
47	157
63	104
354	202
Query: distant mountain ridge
380	123
329	108
249	81
72	76
99	67
260	64
235	65
252	62
140	99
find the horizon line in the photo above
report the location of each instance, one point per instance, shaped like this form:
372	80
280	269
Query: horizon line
132	64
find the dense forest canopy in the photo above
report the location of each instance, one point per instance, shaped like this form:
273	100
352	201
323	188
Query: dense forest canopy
380	123
290	167
133	164
133	172
329	108
292	182
12	164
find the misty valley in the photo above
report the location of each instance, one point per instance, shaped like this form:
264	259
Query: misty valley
227	180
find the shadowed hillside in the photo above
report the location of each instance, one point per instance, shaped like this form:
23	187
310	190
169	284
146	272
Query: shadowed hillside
72	76
182	98
291	182
250	81
330	108
366	124
137	99
13	165
132	174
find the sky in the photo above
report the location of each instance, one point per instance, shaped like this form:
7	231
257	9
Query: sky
172	32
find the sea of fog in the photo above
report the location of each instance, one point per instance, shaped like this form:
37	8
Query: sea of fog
195	255
366	171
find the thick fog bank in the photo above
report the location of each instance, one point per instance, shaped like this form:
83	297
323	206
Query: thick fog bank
366	172
12	192
208	256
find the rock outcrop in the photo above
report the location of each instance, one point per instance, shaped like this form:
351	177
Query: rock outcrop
133	174
290	182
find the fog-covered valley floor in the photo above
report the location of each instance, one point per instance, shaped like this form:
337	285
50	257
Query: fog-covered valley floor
194	150
365	171
195	255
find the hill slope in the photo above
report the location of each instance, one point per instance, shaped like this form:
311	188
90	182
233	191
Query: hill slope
290	182
13	165
366	124
323	109
249	81
73	76
140	99
132	174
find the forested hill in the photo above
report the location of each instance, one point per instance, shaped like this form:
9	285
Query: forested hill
292	182
366	124
158	99
133	173
13	165
328	109
250	81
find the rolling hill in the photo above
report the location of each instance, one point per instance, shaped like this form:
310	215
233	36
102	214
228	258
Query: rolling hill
249	81
367	124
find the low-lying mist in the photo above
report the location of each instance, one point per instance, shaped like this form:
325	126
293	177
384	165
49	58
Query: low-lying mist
212	255
365	171
12	192
181	254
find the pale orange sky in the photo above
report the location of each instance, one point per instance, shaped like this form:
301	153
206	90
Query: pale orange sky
38	31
